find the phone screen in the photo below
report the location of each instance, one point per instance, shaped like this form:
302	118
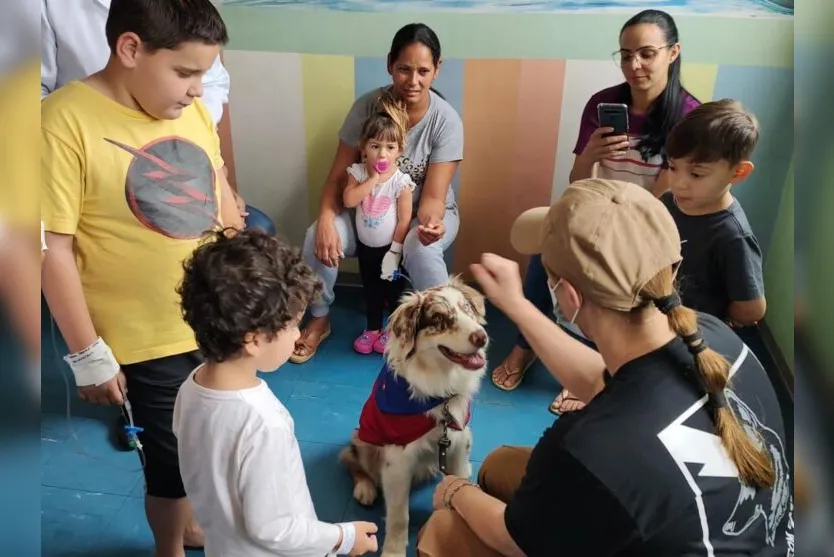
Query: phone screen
613	115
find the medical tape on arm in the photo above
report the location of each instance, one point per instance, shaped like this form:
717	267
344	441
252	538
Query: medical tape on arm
94	365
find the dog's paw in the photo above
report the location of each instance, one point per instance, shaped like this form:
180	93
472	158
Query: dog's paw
365	493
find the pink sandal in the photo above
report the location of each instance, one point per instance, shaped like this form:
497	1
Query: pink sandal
366	343
381	343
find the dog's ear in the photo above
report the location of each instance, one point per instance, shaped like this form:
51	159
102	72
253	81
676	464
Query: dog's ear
475	298
403	323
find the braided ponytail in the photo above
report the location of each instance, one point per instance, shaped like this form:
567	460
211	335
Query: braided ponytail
712	373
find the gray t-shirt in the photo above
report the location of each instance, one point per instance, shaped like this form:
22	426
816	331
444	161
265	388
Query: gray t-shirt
437	137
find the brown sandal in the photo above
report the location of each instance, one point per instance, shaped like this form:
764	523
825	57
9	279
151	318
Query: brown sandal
307	347
509	372
557	404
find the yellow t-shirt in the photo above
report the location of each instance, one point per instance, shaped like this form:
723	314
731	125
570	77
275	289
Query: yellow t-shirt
137	194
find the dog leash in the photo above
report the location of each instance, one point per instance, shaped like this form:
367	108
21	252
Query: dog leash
444	442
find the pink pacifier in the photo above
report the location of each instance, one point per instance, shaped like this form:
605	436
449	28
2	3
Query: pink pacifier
381	166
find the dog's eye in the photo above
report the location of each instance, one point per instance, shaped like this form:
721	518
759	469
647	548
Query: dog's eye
436	319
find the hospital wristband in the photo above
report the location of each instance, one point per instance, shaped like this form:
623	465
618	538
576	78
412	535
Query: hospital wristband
348	538
94	365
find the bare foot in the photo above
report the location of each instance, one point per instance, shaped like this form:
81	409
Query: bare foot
509	374
316	331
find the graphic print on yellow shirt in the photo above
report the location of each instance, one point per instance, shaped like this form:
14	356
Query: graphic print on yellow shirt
167	187
137	194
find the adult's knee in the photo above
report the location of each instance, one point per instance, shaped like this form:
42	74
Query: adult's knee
447	533
502	471
425	264
442	527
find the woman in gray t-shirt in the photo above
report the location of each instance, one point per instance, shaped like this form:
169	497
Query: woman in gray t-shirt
433	149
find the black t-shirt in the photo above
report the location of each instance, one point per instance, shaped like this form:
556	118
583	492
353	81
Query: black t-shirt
722	260
640	472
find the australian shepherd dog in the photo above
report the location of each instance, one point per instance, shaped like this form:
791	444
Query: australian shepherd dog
415	423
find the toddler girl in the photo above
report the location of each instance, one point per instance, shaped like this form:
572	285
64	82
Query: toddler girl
381	194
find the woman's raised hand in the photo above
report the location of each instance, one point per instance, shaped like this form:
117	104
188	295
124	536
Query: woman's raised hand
600	147
500	280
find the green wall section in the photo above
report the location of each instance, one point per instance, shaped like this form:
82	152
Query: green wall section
779	268
709	39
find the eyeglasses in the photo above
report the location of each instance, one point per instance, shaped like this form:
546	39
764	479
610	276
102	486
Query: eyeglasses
645	55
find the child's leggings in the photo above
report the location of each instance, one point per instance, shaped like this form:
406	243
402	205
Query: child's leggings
377	291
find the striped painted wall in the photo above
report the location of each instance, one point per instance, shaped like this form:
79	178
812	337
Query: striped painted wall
519	83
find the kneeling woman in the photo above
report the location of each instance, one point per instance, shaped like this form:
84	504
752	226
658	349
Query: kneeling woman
680	450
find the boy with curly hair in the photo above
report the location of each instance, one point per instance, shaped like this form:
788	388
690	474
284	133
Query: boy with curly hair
244	294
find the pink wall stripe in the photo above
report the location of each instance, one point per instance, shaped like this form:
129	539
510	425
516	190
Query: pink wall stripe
511	120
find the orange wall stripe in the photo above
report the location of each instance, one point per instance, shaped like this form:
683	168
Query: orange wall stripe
488	172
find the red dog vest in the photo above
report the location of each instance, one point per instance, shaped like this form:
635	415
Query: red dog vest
392	417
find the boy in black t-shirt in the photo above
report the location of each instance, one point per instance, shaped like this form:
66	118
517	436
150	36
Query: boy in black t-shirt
721	273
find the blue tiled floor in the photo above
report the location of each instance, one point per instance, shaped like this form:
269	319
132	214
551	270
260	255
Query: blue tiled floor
92	494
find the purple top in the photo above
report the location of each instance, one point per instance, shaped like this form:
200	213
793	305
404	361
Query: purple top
631	167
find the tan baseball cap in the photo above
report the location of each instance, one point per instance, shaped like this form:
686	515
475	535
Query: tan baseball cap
606	237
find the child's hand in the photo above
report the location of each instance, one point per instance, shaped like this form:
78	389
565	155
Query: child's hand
241	205
373	174
109	392
365	538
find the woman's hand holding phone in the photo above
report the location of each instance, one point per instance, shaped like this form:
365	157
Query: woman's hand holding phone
600	146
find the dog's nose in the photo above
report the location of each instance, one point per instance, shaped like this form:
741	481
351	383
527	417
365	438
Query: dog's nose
478	338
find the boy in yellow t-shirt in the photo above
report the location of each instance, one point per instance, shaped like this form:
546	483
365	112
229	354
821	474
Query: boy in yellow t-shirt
132	177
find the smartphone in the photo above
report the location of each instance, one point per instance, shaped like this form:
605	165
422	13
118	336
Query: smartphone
613	115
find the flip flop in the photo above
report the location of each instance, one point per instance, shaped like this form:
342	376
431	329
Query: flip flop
560	400
304	341
511	373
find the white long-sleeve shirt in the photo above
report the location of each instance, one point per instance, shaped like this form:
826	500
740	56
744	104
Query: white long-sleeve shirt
242	470
74	46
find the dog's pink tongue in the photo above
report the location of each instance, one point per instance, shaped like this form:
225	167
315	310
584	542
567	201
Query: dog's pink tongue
475	361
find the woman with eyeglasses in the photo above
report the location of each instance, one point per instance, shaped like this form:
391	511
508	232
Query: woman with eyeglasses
650	59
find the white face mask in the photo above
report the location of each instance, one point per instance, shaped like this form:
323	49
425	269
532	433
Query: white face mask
560	318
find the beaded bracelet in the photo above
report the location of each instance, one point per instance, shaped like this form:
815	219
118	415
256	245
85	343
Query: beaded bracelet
452	490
